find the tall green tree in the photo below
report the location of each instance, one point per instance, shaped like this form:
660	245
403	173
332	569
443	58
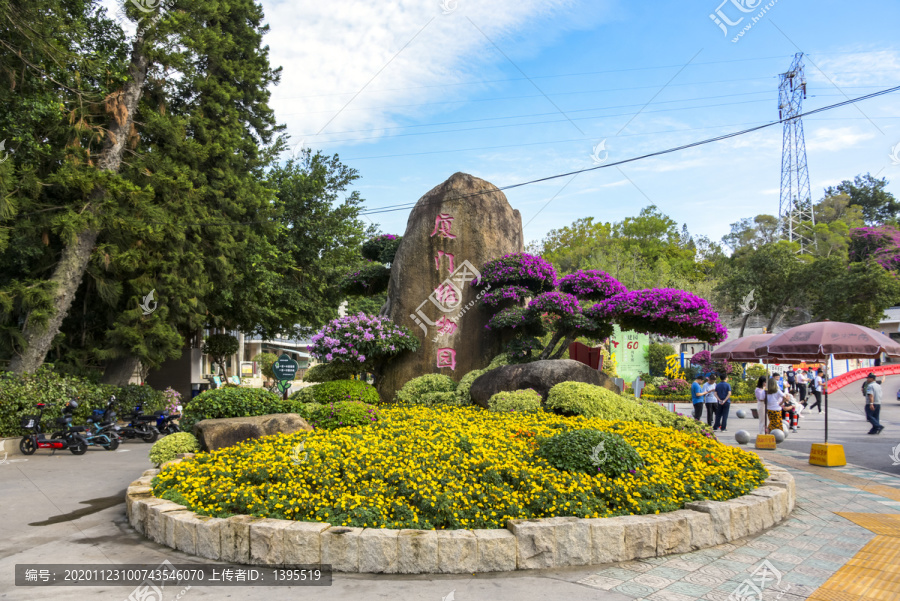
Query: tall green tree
868	193
855	293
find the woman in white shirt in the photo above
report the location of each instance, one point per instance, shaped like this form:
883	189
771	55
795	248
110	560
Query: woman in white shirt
761	403
801	385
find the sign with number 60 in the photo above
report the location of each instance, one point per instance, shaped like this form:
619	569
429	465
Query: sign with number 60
632	345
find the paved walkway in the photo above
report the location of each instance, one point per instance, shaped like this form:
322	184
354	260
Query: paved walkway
842	542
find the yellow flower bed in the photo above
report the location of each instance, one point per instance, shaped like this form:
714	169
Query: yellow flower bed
451	467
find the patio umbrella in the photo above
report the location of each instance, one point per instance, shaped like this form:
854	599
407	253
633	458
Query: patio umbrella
819	340
741	350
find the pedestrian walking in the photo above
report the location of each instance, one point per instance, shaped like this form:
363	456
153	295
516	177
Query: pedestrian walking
712	401
802	380
760	393
774	402
791	376
723	397
873	405
815	387
698	396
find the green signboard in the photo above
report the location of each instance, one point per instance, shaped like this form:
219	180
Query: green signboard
285	368
630	350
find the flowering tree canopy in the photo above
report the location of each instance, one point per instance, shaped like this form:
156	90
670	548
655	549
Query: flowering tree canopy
668	312
361	343
881	243
708	365
518	269
371	279
591	284
381	248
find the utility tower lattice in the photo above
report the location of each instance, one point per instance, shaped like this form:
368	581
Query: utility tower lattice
795	210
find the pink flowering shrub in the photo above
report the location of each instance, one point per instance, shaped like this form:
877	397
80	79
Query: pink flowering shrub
371	279
495	296
674	388
707	365
591	284
668	312
557	303
361	342
381	249
519	269
881	243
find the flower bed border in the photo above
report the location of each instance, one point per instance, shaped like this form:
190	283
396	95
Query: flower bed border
523	545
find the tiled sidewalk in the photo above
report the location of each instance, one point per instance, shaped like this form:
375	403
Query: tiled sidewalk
803	552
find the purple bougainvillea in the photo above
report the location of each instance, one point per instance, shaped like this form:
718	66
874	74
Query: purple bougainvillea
555	303
669	312
518	269
495	296
881	243
361	340
591	284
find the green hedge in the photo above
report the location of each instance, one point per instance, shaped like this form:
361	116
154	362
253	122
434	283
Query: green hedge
344	414
168	447
687	399
516	400
20	394
576	398
336	391
233	402
465	385
590	452
411	393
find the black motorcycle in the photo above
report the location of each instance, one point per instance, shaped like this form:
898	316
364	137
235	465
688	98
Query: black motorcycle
102	429
71	438
141	426
166	424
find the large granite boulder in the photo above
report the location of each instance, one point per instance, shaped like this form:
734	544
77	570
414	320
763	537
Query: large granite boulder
228	431
539	375
451	232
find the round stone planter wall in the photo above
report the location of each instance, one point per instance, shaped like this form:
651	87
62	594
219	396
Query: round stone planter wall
523	545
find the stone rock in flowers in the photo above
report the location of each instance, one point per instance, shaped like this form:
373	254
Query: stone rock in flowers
538	375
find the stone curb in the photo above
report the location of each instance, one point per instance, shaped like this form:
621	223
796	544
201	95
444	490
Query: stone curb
523	545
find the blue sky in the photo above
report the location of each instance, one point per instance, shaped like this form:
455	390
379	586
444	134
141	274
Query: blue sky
409	92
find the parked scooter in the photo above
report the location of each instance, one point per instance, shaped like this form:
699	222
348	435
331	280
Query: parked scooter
71	438
166	423
141	426
102	429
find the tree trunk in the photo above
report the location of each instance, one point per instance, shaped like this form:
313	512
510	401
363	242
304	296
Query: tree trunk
564	346
70	270
551	345
118	371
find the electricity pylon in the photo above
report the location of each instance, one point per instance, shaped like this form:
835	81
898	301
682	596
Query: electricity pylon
795	209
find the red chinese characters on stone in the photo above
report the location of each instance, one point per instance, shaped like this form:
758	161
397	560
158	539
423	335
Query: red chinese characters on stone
440	255
446	357
442	224
445	326
446	294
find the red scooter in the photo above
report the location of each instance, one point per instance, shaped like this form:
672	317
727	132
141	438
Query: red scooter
70	438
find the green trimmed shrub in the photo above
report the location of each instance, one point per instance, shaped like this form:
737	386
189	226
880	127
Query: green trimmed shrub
465	384
576	398
591	452
327	372
430	399
231	402
412	391
20	394
336	391
498	361
343	414
516	400
168	447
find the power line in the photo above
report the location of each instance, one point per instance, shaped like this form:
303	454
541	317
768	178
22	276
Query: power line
404	206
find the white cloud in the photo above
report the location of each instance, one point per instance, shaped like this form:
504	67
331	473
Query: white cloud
833	139
332	50
863	68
